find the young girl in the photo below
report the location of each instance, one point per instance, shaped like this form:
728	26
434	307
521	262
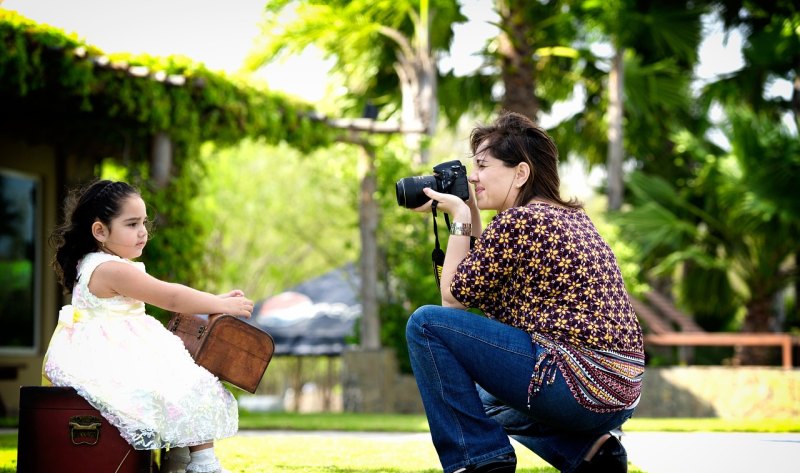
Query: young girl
123	361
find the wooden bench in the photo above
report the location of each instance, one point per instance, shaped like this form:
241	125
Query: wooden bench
662	332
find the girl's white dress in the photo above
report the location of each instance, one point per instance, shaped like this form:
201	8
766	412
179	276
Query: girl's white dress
135	371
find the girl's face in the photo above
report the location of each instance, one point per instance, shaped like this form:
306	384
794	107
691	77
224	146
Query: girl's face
128	233
494	183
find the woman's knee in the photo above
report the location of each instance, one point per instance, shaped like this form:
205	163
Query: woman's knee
418	319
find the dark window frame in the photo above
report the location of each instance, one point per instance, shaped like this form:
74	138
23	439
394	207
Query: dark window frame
36	271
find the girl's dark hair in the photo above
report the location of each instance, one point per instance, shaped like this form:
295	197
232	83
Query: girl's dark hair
514	138
98	201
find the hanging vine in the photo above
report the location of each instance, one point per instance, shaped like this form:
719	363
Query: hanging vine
58	90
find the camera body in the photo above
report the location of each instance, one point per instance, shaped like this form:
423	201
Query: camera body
449	178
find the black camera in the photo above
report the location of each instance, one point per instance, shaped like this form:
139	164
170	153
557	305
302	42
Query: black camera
449	178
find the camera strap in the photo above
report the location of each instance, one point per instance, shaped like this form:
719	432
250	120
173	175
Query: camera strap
437	256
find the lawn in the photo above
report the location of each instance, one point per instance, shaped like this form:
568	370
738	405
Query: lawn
295	443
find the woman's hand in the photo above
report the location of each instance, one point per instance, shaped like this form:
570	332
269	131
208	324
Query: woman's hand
233	293
448	203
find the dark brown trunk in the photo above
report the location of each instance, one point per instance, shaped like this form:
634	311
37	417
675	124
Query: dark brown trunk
517	64
796	98
758	319
616	153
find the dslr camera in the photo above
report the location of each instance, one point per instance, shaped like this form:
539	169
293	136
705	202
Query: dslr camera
448	178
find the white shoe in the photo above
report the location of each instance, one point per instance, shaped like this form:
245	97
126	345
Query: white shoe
206	469
176	460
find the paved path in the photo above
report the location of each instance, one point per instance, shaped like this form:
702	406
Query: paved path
700	452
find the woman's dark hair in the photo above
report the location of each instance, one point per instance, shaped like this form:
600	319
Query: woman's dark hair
514	138
98	201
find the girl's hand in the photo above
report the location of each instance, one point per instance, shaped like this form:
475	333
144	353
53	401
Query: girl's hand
448	203
236	304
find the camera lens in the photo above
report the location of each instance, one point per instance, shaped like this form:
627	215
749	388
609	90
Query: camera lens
409	190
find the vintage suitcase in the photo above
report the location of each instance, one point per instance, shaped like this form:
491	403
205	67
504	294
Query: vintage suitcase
59	431
227	346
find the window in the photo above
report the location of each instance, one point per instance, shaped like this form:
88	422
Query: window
20	251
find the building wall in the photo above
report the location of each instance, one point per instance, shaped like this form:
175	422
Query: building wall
37	161
727	392
54	172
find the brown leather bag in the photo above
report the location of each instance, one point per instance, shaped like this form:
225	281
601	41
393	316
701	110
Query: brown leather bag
227	346
59	431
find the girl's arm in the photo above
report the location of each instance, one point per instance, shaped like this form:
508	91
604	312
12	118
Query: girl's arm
116	278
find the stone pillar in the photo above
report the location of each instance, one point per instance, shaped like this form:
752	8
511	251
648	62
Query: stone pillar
368	380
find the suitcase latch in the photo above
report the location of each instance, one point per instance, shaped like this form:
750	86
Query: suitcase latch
84	430
174	327
201	331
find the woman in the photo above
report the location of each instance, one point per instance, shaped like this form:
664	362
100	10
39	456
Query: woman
558	361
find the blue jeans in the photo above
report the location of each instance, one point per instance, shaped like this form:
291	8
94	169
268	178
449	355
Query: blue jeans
473	375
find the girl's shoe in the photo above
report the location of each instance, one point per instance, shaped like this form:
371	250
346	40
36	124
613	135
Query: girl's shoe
610	458
218	470
176	460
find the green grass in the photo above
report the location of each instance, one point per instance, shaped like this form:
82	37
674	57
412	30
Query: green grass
302	451
8	453
417	423
348	422
307	453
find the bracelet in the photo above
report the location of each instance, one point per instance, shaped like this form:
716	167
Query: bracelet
461	229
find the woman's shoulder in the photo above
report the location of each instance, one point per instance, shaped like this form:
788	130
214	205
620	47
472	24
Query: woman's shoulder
538	210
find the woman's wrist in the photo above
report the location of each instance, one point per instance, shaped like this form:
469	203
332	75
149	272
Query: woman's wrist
461	229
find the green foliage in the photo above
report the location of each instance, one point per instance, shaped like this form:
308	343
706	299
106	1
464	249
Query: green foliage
731	229
277	216
98	106
360	37
771	50
40	62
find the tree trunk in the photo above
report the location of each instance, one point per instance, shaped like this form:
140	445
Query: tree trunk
368	226
161	160
419	102
516	61
758	319
615	131
417	73
796	99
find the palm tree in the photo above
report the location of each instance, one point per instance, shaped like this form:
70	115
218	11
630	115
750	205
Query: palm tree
385	52
653	51
735	222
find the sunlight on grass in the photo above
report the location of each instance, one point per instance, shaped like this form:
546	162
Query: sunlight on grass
295	452
712	425
8	453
